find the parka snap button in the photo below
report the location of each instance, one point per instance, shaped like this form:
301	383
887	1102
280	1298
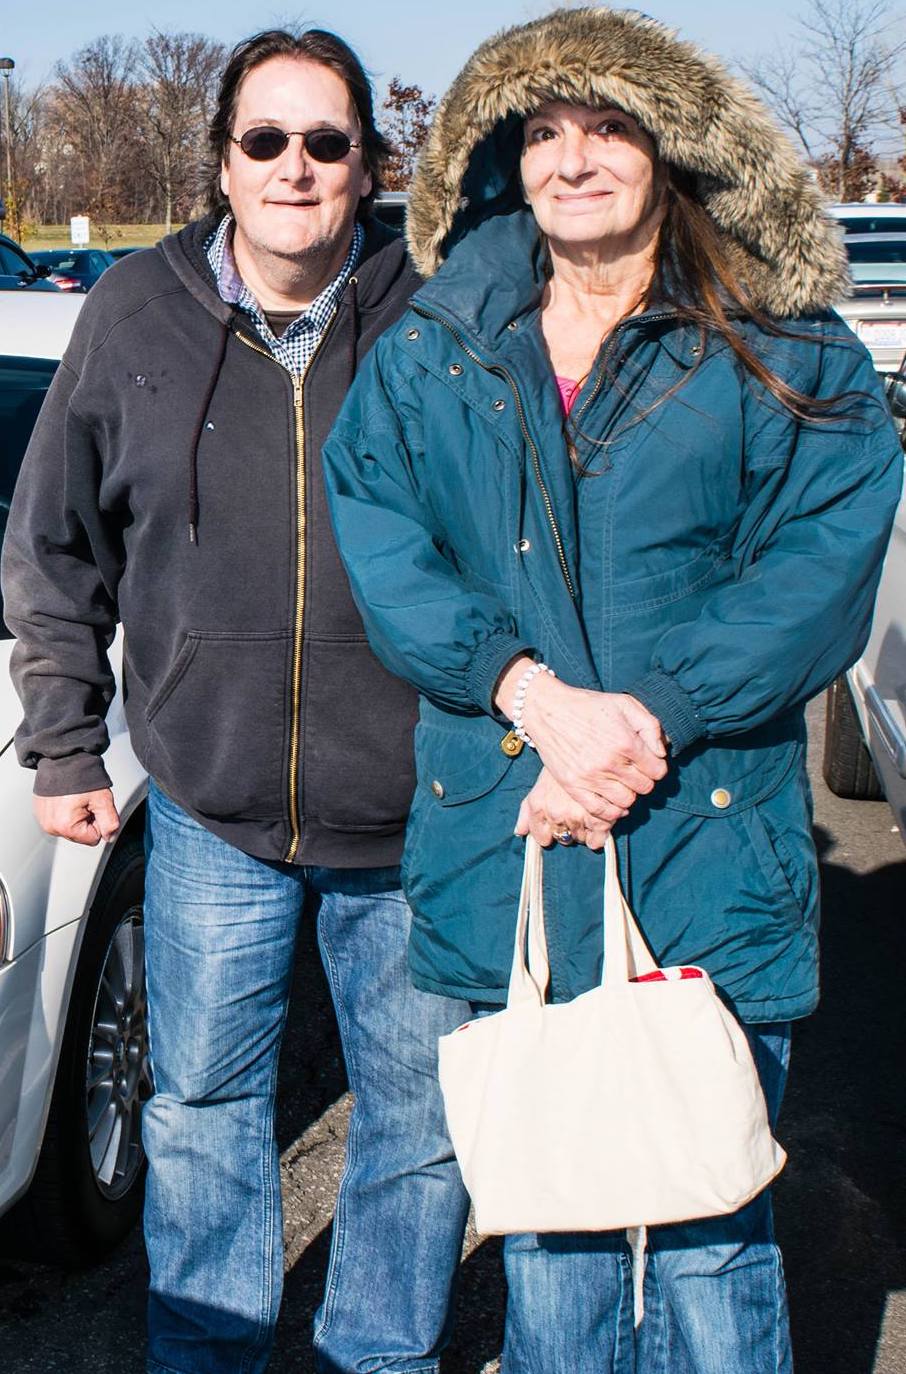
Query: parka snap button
721	798
437	788
455	369
523	545
512	325
499	405
412	334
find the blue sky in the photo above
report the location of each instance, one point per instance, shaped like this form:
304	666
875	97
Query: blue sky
420	41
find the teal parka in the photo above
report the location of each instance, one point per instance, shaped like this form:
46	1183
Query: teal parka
735	557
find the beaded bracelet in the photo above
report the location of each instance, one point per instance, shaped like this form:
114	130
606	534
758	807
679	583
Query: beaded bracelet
519	700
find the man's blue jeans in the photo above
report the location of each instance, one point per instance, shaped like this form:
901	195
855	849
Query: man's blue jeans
220	931
715	1300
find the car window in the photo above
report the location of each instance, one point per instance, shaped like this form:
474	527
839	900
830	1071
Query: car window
10	262
98	262
882	251
23	386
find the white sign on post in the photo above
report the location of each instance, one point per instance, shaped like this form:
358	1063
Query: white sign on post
79	229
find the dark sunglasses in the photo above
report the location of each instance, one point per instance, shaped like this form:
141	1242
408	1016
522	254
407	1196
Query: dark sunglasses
266	143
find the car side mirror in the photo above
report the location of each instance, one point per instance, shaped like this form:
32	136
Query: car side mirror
42	269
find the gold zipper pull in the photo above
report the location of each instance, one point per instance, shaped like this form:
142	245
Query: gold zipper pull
297	391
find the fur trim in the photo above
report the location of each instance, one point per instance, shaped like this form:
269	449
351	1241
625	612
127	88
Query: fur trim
762	198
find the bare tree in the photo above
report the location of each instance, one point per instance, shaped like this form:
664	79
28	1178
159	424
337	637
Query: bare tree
95	107
408	114
833	91
179	71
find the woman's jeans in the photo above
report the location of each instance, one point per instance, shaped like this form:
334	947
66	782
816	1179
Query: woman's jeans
715	1301
220	931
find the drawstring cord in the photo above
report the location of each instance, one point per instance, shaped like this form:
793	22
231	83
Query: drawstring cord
196	437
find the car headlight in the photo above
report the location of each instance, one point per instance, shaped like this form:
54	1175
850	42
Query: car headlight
5	922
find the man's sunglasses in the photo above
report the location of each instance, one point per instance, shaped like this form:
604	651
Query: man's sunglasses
266	143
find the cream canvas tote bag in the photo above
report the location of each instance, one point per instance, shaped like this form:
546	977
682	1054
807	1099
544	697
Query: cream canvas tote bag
637	1103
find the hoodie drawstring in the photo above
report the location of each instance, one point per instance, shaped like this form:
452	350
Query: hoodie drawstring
196	437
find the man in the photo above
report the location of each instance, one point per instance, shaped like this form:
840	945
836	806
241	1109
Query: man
173	482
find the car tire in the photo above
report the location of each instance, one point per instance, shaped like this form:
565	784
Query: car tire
848	769
87	1190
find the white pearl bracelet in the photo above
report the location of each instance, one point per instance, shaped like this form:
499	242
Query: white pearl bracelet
519	700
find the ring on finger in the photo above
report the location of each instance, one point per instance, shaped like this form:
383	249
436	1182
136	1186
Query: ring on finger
563	836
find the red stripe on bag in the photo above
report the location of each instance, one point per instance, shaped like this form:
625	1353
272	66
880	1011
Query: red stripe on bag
668	976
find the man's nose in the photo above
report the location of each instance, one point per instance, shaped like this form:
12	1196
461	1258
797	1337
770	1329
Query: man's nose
295	160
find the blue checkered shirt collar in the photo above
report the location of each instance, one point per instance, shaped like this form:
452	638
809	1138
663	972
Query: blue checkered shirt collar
296	346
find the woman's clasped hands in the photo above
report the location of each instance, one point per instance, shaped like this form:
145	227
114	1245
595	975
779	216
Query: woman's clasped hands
600	750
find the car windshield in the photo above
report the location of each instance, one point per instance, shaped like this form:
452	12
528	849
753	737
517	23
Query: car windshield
63	262
894	223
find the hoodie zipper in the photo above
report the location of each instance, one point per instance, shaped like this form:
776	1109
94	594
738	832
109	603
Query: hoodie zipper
499	370
298	383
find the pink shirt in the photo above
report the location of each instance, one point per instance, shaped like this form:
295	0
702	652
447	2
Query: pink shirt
569	390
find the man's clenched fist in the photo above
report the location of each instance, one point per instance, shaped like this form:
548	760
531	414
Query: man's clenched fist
86	817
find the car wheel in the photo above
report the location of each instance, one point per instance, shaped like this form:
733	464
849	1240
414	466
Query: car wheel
848	769
87	1190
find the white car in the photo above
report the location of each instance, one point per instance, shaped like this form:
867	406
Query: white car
73	1039
876	309
863	217
865	736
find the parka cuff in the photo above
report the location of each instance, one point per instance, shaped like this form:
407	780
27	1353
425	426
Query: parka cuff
488	662
66	777
672	705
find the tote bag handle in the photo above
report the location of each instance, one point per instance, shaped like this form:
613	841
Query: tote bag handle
625	952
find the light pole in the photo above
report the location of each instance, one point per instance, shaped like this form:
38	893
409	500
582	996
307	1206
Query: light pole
7	65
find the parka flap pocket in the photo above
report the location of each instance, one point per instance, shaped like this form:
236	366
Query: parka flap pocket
721	781
462	760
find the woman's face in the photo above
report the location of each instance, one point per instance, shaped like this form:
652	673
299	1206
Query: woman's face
591	175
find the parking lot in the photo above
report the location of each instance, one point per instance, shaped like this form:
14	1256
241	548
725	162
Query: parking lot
840	1202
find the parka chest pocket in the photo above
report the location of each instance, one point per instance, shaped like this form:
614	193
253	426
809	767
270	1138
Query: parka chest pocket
632	596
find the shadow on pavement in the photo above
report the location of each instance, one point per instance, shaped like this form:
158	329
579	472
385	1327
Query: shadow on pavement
840	1203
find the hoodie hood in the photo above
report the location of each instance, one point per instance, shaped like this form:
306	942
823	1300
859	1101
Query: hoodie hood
763	200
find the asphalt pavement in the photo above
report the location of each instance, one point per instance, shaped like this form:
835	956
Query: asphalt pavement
840	1203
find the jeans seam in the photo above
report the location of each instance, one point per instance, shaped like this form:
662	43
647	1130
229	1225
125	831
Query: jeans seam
267	1289
339	1232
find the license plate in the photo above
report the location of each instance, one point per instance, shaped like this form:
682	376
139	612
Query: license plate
882	333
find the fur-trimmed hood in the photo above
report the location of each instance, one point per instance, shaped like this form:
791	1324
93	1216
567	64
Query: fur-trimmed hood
763	200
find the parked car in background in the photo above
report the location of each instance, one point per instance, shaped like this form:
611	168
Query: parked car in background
876	309
73	1042
19	272
390	207
74	269
865	732
861	217
117	253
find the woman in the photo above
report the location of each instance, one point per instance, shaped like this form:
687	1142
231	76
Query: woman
619	433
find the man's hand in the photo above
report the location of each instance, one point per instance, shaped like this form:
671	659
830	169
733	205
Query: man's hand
86	817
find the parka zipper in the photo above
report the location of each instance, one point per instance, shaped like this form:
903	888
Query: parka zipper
498	370
611	344
298	383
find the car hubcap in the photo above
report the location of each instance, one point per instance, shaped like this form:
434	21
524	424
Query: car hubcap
118	1078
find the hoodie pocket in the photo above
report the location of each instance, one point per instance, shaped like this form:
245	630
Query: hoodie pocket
217	724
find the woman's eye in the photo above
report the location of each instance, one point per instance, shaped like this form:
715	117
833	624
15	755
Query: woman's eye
611	126
540	134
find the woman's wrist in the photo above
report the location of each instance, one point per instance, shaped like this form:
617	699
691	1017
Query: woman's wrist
504	696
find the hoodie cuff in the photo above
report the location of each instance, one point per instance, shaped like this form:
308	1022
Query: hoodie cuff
488	662
66	777
672	705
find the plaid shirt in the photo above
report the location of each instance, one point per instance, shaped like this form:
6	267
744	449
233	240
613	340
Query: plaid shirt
296	347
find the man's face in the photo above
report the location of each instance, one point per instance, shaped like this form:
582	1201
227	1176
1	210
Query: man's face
294	207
